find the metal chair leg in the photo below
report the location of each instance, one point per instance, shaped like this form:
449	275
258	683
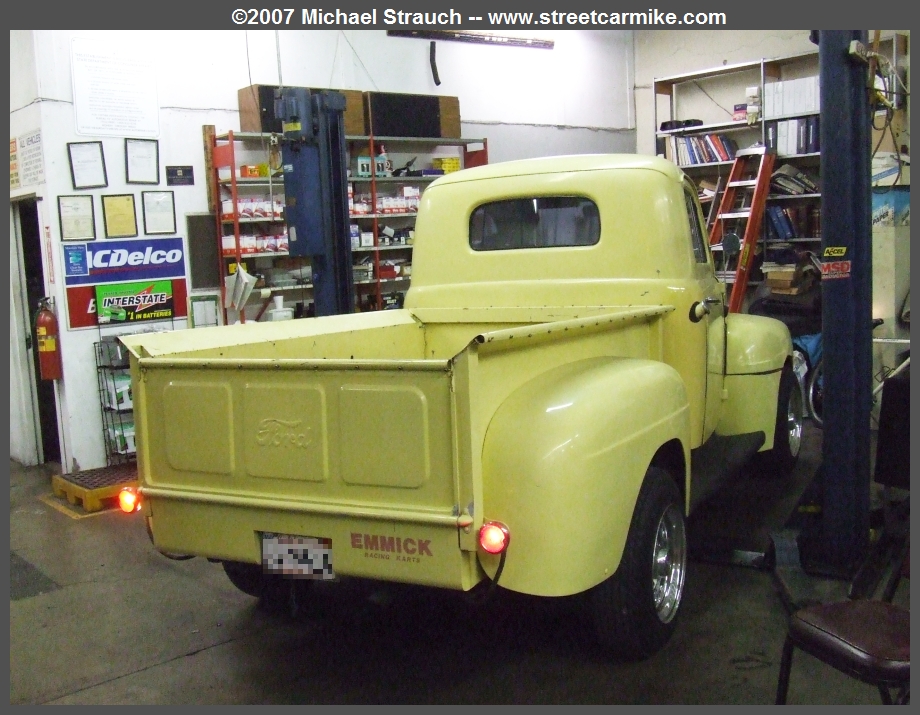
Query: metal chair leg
785	666
885	693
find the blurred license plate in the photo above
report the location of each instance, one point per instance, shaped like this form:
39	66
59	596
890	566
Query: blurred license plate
297	556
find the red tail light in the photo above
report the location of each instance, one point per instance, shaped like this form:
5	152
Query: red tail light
494	537
129	500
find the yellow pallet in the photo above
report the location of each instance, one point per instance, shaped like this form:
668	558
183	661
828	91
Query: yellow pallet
94	487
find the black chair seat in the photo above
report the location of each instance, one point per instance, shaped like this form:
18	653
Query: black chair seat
869	640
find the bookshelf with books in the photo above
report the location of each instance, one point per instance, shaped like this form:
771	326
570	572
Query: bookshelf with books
702	118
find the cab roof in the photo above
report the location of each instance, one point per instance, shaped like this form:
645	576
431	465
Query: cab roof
563	165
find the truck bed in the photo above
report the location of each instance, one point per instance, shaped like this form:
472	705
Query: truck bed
364	429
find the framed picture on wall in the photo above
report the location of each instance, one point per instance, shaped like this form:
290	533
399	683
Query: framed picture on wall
159	209
142	161
119	216
77	218
87	165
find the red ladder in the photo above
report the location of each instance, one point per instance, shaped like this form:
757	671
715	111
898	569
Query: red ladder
743	203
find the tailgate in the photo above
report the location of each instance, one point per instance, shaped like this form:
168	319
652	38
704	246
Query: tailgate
359	452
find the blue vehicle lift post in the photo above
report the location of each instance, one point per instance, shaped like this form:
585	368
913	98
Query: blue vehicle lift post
314	163
841	536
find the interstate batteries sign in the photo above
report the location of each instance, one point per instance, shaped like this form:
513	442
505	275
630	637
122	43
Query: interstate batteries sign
121	261
134	302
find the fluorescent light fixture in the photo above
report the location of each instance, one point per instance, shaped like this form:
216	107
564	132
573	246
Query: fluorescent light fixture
482	38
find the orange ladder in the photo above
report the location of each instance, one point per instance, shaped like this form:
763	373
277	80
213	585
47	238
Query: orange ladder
743	203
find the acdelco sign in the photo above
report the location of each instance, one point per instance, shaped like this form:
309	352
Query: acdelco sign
124	261
106	258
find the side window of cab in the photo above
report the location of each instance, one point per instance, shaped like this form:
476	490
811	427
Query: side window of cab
698	237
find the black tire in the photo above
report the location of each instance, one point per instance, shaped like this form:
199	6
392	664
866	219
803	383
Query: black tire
248	578
635	610
787	440
275	593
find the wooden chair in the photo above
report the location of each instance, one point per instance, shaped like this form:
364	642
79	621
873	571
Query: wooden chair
866	639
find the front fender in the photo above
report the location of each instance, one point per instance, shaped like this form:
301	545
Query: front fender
757	347
755	344
563	459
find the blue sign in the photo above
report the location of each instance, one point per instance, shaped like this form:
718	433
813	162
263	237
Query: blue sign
124	261
75	261
180	176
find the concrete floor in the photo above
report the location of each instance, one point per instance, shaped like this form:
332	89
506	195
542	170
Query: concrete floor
98	617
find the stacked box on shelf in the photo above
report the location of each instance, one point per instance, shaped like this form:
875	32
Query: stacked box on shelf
118	394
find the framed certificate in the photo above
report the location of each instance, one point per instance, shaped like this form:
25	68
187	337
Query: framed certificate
119	215
87	165
77	217
142	161
159	211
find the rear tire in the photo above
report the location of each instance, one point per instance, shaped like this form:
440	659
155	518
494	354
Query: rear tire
779	461
635	610
816	394
248	578
274	592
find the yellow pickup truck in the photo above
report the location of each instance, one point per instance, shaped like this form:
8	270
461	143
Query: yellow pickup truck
535	416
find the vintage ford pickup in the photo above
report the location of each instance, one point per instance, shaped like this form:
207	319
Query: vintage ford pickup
536	415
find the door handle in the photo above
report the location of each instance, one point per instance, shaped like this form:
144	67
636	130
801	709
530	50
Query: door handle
28	342
702	308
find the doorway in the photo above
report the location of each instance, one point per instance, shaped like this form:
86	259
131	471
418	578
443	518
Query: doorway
33	279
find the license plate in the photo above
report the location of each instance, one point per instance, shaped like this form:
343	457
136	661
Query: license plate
297	556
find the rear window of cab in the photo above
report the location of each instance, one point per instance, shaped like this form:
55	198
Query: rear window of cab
537	222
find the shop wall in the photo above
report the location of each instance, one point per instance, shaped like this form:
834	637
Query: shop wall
576	98
23	93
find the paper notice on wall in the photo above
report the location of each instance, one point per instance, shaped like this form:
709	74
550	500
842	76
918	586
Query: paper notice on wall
31	161
14	165
114	90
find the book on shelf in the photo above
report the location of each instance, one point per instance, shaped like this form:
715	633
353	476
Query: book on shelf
813	129
695	157
781	223
790	179
720	147
731	146
713	149
706	189
701	149
709	148
790	218
770	134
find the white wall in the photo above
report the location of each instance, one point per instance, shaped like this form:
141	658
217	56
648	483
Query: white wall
576	98
22	69
27	117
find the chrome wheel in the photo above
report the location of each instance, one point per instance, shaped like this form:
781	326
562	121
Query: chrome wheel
669	564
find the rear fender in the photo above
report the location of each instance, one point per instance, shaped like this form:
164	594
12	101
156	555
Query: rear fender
563	460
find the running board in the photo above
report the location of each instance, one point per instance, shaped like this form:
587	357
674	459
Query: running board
718	460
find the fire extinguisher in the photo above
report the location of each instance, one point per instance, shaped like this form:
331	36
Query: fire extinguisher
48	338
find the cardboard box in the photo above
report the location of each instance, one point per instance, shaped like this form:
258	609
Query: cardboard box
257	109
391	114
118	391
121	438
891	208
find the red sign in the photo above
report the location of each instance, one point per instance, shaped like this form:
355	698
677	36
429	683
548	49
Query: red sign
81	304
835	269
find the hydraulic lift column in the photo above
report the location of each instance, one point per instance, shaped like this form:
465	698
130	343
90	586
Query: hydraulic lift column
846	287
315	165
